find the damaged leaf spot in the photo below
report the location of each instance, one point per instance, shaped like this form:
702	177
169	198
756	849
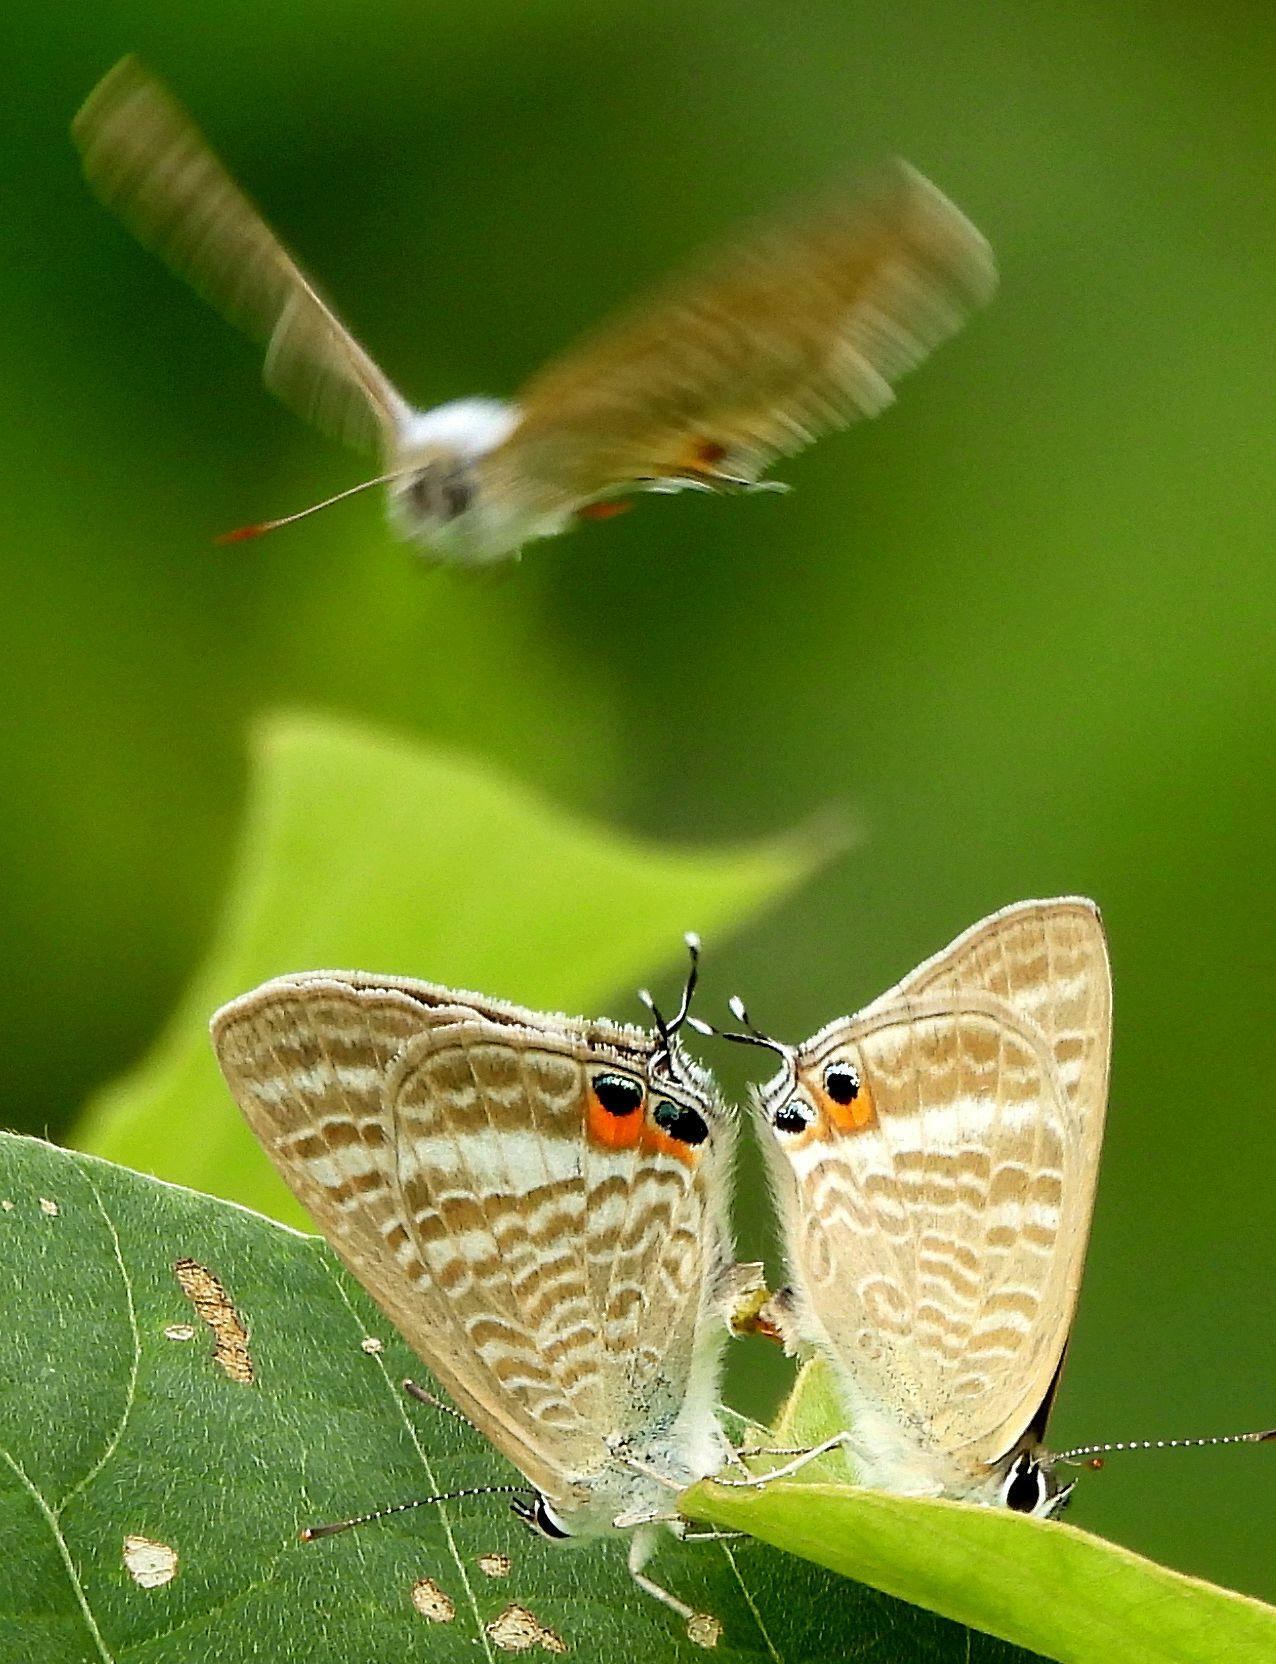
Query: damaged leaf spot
7	1205
180	1331
704	1629
494	1565
518	1630
431	1602
148	1563
51	1208
214	1306
371	1345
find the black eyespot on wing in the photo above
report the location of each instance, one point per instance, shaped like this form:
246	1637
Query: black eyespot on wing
686	1125
1025	1489
617	1093
842	1082
792	1117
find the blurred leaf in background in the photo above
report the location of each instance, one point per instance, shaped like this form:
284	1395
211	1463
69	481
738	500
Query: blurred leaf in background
1023	625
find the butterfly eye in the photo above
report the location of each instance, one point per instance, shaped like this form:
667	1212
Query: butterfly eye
617	1094
792	1117
682	1123
1025	1489
842	1082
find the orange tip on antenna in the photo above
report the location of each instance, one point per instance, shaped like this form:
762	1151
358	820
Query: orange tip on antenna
243	534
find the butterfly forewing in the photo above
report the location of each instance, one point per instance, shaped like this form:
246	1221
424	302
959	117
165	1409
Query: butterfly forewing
149	162
801	328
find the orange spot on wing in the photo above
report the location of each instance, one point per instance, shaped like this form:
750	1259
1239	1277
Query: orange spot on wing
656	1141
603	511
707	453
857	1116
613	1132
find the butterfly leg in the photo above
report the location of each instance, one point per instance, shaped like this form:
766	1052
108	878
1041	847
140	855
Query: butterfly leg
642	1546
837	1442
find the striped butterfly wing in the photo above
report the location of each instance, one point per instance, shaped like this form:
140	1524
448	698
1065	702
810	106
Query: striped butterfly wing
799	328
938	1217
151	165
569	1205
440	1141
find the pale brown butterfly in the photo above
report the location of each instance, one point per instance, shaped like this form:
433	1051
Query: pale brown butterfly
934	1161
537	1203
803	326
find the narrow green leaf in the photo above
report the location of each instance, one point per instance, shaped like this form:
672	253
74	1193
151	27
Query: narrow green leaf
117	1422
1040	1583
362	851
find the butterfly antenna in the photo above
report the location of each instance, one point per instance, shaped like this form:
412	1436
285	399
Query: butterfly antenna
242	534
313	1532
689	987
1093	1454
748	1034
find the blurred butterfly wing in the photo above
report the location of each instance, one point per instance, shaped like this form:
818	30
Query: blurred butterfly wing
938	1249
578	1259
799	329
149	163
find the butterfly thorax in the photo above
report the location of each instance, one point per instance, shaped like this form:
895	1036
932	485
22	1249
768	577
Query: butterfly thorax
448	499
642	1478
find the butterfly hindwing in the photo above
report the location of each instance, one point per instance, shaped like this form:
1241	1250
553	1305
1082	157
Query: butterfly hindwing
502	1184
937	1201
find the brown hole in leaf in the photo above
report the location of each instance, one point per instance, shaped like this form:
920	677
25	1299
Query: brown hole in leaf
431	1602
148	1563
371	1345
518	1630
704	1629
214	1306
494	1565
51	1208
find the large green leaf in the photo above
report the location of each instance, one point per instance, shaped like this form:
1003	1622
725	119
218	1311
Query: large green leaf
369	852
117	1422
1041	1583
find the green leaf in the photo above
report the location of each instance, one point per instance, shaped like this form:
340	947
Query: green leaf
370	852
117	1421
1040	1583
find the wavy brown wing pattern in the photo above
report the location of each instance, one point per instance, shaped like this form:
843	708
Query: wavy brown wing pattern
555	1285
799	328
151	165
938	1236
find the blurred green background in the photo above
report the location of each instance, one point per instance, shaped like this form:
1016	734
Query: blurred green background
1020	630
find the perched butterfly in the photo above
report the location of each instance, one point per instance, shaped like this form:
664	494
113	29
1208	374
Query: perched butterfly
537	1203
802	327
934	1160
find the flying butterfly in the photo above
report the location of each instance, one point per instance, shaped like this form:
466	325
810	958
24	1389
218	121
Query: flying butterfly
934	1161
537	1203
801	327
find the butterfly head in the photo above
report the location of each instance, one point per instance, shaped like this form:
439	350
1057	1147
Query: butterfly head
437	496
